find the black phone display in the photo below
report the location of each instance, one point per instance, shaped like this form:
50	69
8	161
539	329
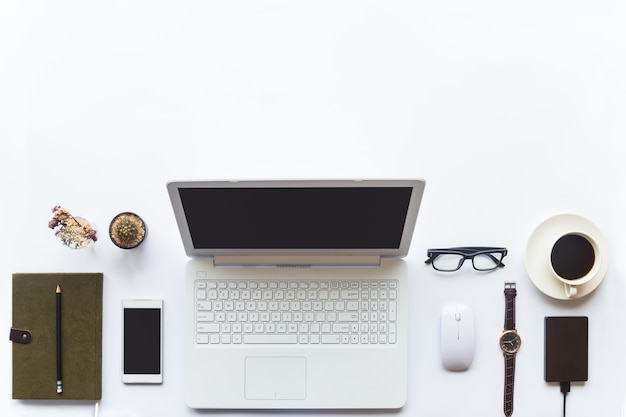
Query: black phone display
142	341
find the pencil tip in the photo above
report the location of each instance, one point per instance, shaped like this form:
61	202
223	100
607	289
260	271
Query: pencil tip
58	289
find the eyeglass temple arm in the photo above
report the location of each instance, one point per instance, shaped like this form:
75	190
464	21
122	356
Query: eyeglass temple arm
474	249
497	261
432	254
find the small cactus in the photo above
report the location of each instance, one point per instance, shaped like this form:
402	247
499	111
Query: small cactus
127	230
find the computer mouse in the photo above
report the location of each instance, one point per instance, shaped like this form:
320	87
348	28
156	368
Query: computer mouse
457	337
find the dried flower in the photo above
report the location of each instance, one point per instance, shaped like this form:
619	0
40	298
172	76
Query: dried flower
74	232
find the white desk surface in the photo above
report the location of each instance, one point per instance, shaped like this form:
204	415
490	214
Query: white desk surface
512	112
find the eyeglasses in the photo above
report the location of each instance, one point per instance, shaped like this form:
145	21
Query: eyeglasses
483	258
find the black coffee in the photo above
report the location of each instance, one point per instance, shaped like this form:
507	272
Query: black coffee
572	256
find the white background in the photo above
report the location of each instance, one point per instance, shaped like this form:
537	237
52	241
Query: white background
512	112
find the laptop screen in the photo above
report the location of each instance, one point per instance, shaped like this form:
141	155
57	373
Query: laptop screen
296	218
342	218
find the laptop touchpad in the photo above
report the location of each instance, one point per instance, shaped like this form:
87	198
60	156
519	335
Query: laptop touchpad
275	378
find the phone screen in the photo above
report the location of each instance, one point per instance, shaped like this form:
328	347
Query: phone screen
142	344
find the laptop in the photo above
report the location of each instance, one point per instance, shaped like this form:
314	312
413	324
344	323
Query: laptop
296	293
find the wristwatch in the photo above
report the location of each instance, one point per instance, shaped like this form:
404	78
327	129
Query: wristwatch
510	343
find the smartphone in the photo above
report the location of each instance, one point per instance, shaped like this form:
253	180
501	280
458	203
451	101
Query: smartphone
142	342
566	349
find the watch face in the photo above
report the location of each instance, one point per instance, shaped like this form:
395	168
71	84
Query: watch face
510	341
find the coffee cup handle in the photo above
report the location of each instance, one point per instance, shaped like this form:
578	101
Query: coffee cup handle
571	290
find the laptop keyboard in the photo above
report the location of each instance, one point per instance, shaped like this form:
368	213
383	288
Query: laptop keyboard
237	312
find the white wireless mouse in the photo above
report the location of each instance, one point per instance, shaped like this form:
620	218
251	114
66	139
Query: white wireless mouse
457	337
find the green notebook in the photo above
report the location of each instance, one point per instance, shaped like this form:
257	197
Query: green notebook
34	335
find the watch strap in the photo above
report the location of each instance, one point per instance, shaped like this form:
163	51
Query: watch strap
510	292
509	305
509	380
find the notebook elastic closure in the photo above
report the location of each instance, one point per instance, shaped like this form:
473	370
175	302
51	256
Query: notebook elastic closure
20	336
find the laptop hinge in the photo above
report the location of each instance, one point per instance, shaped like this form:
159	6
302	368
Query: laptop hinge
297	261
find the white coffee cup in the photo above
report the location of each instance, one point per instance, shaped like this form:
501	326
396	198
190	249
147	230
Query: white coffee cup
574	260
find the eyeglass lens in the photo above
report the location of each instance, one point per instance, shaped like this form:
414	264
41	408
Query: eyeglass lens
486	261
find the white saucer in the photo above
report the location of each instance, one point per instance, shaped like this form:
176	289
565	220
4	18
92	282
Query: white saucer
539	248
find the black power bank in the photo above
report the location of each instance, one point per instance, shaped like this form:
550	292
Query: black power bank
566	349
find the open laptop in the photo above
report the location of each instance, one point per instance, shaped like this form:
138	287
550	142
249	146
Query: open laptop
295	294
